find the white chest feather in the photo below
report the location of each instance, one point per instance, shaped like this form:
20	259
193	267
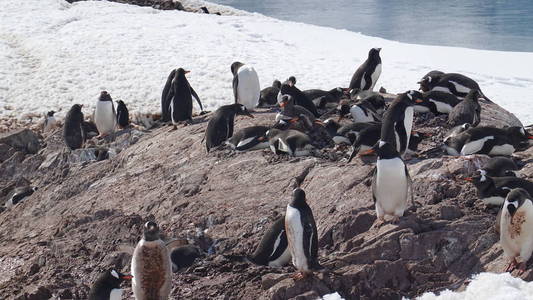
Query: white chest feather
516	237
460	88
375	76
475	146
360	116
248	90
116	294
295	238
104	117
442	107
441	89
505	149
284	258
391	186
408	122
50	124
421	108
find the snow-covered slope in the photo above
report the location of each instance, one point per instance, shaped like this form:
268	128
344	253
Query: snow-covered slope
53	54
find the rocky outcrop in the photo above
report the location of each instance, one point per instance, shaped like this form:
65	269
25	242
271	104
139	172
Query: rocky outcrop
86	212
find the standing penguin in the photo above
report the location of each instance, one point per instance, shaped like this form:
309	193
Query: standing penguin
246	88
516	229
105	117
49	121
107	286
73	132
220	126
467	111
390	183
302	235
176	101
151	266
366	76
273	250
269	95
123	116
398	122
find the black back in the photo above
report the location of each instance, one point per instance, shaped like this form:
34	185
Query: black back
467	111
255	132
366	69
430	80
393	121
72	129
445	80
299	98
220	126
265	251
499	166
269	95
166	97
123	116
101	289
184	256
181	100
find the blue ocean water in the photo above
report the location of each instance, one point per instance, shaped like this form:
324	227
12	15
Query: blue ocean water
479	24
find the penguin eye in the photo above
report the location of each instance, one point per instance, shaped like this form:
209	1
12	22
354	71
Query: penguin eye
115	274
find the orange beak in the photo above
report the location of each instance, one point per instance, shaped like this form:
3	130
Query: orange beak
261	138
127	277
282	104
419	100
469	179
319	122
294	120
530	137
368	152
187	72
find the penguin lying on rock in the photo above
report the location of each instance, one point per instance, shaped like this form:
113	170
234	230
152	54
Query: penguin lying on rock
452	83
488	140
220	126
291	142
499	167
370	109
249	138
107	286
269	95
493	190
434	101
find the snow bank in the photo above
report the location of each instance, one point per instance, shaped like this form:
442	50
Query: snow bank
54	54
489	286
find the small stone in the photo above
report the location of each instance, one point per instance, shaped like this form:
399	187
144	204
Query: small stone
449	212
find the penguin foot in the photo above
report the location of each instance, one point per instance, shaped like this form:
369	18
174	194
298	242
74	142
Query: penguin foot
395	220
174	127
379	222
299	276
511	266
521	268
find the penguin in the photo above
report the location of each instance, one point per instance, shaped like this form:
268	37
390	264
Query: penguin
273	250
107	286
493	141
204	10
220	126
89	129
105	117
292	142
151	266
176	99
455	139
269	95
73	132
369	136
320	97
456	84
398	122
467	111
315	130
49	121
434	101
123	116
366	76
390	183
246	88
493	190
347	134
370	109
430	80
18	194
302	235
184	256
499	166
289	110
249	138
289	88
515	225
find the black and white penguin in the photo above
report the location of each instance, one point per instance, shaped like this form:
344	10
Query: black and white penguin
220	126
499	167
246	88
105	117
434	101
321	98
493	141
107	286
291	142
516	229
151	266
49	121
123	116
398	122
366	76
273	250
269	95
493	190
370	109
289	110
348	133
430	80
184	256
456	84
455	139
178	95
302	235
204	10
249	138
18	194
289	88
390	183
369	136
466	111
73	132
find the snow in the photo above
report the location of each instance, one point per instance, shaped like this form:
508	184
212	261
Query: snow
54	54
489	286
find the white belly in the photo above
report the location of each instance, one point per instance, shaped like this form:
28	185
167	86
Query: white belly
522	243
295	237
443	108
441	89
375	76
104	117
494	200
408	123
359	115
475	146
284	258
50	124
248	89
116	294
421	109
392	185
460	88
505	149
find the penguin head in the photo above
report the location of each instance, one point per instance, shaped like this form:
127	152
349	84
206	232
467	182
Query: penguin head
385	150
114	278
104	96
276	84
120	103
374	53
286	101
480	181
417	96
377	101
516	198
204	9
343	109
331	126
298	198
241	110
151	231
518	135
235	67
50	113
291	81
181	72
473	95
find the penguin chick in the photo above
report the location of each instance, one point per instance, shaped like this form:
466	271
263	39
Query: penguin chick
73	132
184	256
49	121
269	95
107	286
467	111
273	250
123	116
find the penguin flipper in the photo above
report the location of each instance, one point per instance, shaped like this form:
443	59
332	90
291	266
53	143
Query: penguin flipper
164	95
193	93
410	185
374	178
235	86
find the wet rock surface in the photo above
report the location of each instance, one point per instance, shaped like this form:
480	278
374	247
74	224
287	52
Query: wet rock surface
87	213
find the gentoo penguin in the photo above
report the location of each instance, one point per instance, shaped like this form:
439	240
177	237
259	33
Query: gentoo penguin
516	225
434	101
289	88
390	183
347	134
269	95
493	141
292	142
176	98
398	122
18	194
184	256
320	97
430	80
456	84
123	116
366	76
302	235
492	190
49	121
204	10
107	286
455	139
246	88
467	111
273	249
290	110
220	126
73	132
249	138
499	166
370	109
151	266
105	117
